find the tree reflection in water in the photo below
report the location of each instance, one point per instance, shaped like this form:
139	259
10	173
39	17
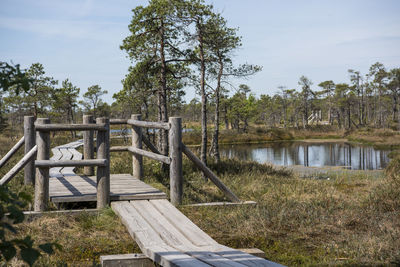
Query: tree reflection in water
352	156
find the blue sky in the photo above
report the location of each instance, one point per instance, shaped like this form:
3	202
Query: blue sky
320	39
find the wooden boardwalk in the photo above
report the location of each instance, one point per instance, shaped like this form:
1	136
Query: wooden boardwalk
66	186
169	238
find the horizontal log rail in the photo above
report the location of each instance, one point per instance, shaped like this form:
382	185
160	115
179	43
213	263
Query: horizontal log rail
70	127
149	124
151	155
70	163
118	148
207	172
141	152
118	121
21	164
12	151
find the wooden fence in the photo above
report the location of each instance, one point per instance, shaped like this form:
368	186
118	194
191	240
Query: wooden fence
40	146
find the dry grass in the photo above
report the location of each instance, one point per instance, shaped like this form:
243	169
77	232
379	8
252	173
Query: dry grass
347	220
83	238
306	222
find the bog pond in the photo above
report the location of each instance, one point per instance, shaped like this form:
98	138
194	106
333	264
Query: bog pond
349	155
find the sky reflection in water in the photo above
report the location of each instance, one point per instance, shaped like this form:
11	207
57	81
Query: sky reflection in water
356	157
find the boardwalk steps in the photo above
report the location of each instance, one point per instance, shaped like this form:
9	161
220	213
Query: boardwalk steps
169	238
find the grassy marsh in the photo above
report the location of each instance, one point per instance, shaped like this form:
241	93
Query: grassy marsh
350	219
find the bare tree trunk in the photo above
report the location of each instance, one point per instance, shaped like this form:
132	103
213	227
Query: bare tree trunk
203	151
163	94
215	141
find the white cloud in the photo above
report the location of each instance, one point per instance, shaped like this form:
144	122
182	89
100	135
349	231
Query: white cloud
104	31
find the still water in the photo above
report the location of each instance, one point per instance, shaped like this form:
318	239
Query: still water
352	156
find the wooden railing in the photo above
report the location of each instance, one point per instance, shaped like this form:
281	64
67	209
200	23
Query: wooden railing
40	146
27	161
43	163
174	159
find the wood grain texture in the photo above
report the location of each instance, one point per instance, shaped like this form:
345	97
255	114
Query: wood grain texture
160	229
137	159
17	167
88	146
175	154
200	165
149	124
30	142
12	151
70	127
42	174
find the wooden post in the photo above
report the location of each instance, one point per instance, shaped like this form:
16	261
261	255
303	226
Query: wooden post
30	142
175	168
88	148
42	173
137	160
103	173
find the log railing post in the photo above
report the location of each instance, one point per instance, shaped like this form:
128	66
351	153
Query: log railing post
137	160
30	142
42	173
88	148
175	168
103	172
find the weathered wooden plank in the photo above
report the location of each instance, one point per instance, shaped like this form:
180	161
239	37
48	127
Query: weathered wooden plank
182	223
92	197
12	151
71	127
149	241
244	258
126	260
200	165
149	124
210	204
21	164
173	237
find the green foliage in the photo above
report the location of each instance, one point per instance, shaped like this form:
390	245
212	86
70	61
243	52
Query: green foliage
10	215
92	99
11	76
65	100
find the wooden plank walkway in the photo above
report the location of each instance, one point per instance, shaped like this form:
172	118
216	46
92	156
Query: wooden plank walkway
66	186
169	238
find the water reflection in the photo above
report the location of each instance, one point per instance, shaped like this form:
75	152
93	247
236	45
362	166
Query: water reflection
352	156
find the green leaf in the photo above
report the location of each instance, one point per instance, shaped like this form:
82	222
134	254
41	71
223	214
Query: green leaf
8	250
29	255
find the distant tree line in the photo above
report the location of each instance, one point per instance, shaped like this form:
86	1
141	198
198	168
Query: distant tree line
43	96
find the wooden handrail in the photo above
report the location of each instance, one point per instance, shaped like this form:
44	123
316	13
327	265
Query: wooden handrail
21	164
70	127
12	151
200	165
150	124
150	145
118	121
151	155
70	163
